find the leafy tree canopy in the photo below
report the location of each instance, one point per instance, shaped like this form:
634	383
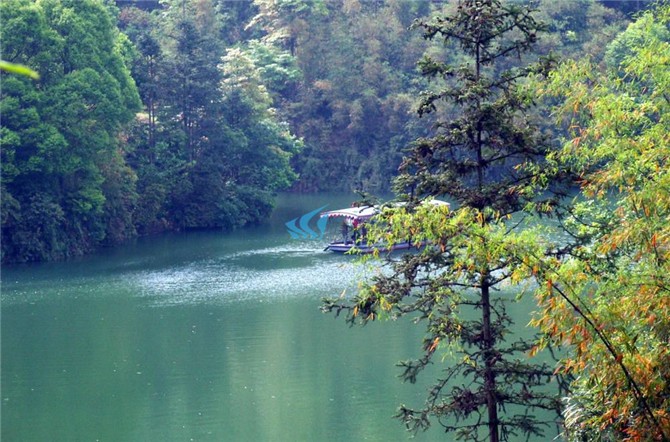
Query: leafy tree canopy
608	302
61	130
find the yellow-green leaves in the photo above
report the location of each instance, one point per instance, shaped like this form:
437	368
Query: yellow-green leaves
609	301
18	69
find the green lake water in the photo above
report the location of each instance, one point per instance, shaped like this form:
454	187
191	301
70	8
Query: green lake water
204	336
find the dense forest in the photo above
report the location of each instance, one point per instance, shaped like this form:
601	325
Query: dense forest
152	116
186	114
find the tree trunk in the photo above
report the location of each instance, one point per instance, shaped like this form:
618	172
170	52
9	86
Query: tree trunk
488	343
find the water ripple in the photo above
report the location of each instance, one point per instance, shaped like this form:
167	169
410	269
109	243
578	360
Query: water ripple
272	273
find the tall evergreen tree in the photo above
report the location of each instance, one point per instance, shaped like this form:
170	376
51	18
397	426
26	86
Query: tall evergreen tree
485	158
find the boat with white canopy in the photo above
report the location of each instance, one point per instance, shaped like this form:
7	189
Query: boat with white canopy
353	239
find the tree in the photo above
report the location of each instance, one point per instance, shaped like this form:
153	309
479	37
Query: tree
212	151
59	133
354	105
191	79
283	20
570	28
260	143
608	302
485	157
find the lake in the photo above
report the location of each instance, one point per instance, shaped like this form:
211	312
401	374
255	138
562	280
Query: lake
202	336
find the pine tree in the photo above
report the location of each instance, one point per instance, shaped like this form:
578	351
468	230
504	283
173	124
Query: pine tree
486	158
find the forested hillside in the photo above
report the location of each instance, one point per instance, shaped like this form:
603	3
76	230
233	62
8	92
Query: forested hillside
183	114
66	186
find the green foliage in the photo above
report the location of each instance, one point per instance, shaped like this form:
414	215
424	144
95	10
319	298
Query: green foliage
608	301
353	106
275	67
238	97
34	230
645	31
570	26
211	151
60	131
484	155
360	86
282	20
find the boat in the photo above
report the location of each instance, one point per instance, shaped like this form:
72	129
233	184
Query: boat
353	231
